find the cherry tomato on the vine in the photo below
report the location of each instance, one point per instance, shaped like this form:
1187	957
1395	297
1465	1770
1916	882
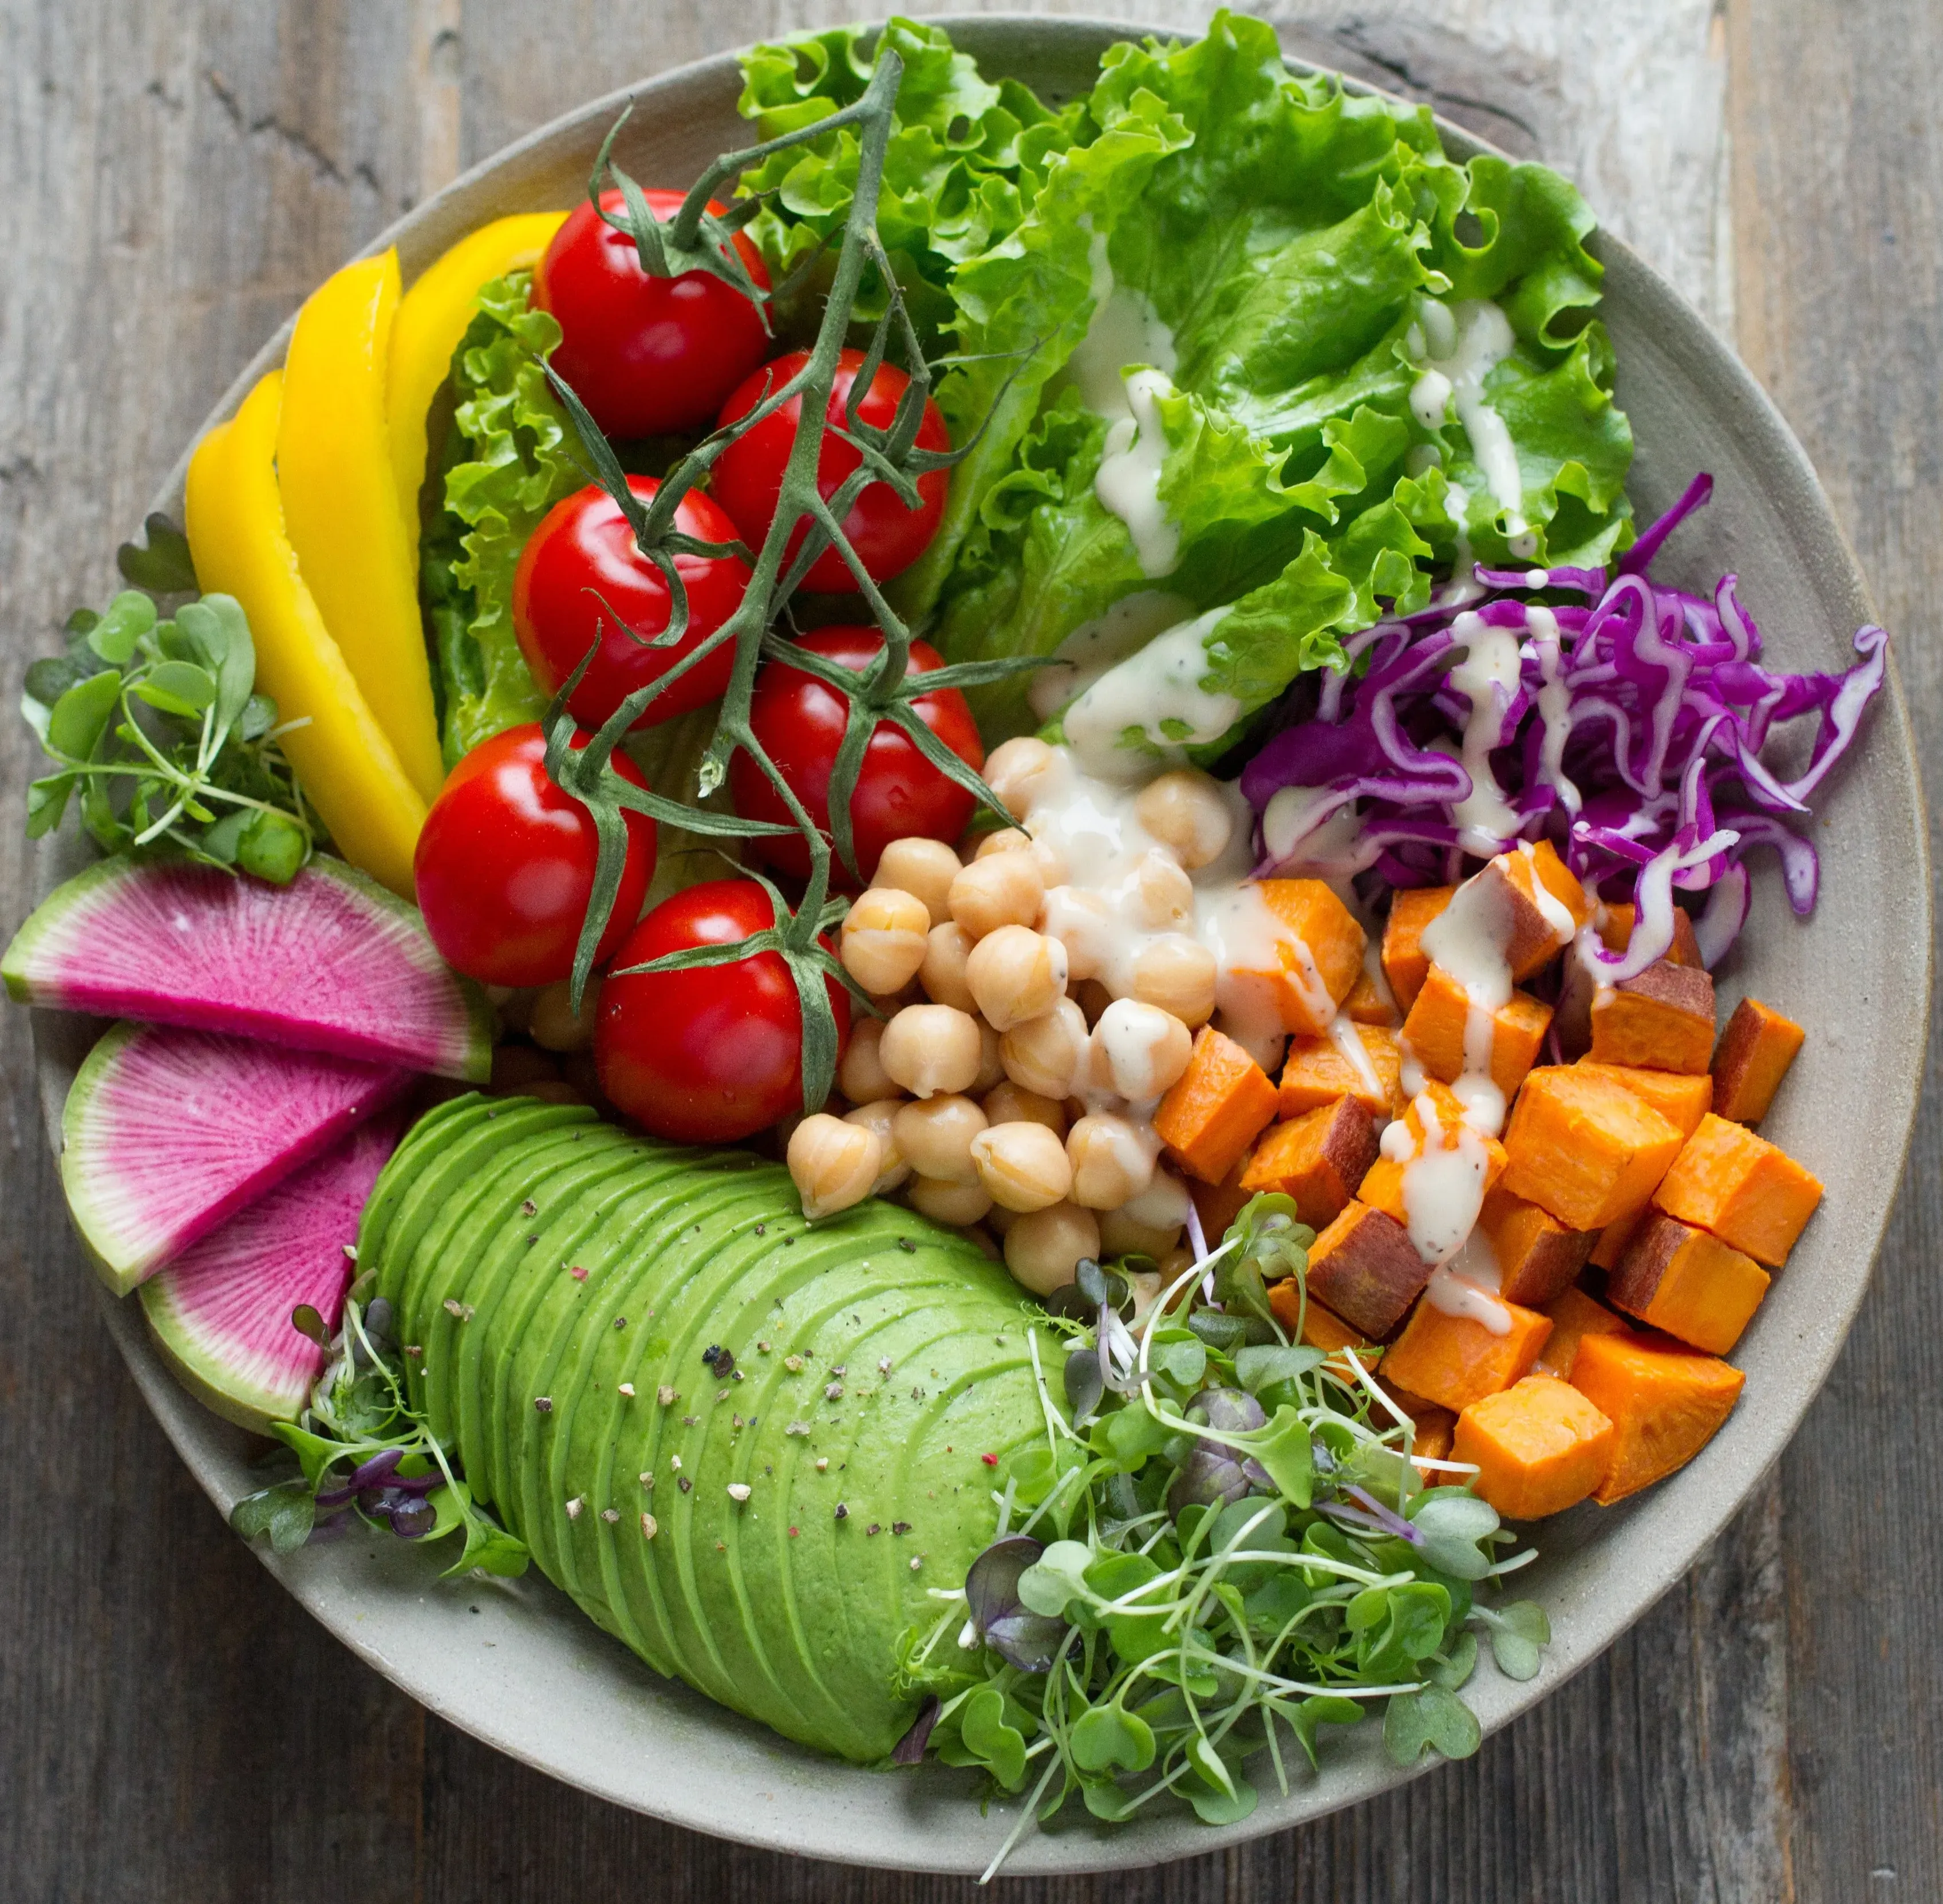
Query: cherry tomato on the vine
747	479
799	723
581	569
504	864
647	356
714	1053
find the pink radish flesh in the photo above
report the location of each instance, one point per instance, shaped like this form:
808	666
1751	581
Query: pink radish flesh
167	1133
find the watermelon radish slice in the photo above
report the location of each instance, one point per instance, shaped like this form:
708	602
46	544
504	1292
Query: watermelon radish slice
221	1311
166	1133
331	962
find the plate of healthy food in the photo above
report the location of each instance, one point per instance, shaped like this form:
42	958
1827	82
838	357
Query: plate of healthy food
1061	1122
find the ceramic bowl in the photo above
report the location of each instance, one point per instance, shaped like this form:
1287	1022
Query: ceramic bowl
528	1674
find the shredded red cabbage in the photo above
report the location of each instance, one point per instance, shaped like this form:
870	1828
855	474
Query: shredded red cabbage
1629	731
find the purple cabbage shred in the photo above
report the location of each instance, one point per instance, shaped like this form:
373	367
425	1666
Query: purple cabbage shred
1632	737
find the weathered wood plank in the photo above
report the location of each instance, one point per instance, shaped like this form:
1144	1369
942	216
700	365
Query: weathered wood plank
178	178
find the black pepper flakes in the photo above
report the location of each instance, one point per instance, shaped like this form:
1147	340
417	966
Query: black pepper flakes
843	1513
528	1208
905	1244
873	1528
900	1527
620	1322
684	1484
543	1403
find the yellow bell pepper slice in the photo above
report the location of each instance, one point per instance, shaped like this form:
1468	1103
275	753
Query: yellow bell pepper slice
340	504
432	318
350	771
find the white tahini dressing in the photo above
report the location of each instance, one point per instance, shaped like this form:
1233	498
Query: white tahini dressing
1125	330
1457	347
1488	678
1096	646
1467	1286
1554	703
1127	482
1157	696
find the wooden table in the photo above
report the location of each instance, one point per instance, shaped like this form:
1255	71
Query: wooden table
174	177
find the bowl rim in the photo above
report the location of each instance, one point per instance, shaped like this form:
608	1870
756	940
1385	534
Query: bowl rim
1155	1839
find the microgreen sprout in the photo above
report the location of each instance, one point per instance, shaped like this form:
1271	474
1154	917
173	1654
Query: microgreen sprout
1218	1557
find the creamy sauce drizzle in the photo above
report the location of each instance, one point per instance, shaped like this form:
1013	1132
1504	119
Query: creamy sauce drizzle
1127	482
1457	347
1488	678
1103	643
1156	696
1554	703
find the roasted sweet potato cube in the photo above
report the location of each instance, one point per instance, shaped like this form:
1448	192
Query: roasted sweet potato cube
1615	933
1382	1184
1540	1447
1365	1267
1612	1239
1305	967
1661	1019
1405	962
1319	1158
1687	1283
1542	904
1430	1440
1752	1059
1439	1022
1584	1148
1682	1099
1318	1071
1665	1402
1536	1255
1218	1205
1454	1360
1749	1193
1574	1314
1216	1107
1317	1327
1367	1004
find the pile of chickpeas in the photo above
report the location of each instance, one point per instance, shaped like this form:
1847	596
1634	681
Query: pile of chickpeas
1005	1087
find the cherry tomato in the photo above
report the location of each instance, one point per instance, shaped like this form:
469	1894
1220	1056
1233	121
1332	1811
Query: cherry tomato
581	570
504	864
714	1053
747	477
799	723
647	355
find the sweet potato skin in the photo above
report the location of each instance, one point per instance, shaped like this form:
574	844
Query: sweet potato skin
1364	1267
1405	960
1584	1148
1746	1190
1573	1316
1752	1057
1434	1031
1665	1401
1687	1283
1661	1019
1532	939
1453	1361
1216	1109
1319	1158
1681	1098
1318	1328
1537	1256
1540	1447
1315	1072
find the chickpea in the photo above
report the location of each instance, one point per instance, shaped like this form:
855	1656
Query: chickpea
1145	1285
1023	1165
1177	974
924	868
833	1164
998	1219
1007	839
1163	1204
1007	1103
1138	1050
961	1204
1044	1054
991	1061
942	974
1042	1250
554	1023
1016	974
1111	1161
1082	922
1186	810
1017	770
1176	1263
879	1119
883	941
928	1049
1121	1235
861	1077
979	1234
1043	854
935	1138
1163	896
1005	890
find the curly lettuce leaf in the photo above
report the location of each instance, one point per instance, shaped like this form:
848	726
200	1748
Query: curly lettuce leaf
511	457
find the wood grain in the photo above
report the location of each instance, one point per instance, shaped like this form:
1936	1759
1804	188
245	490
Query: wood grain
177	176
